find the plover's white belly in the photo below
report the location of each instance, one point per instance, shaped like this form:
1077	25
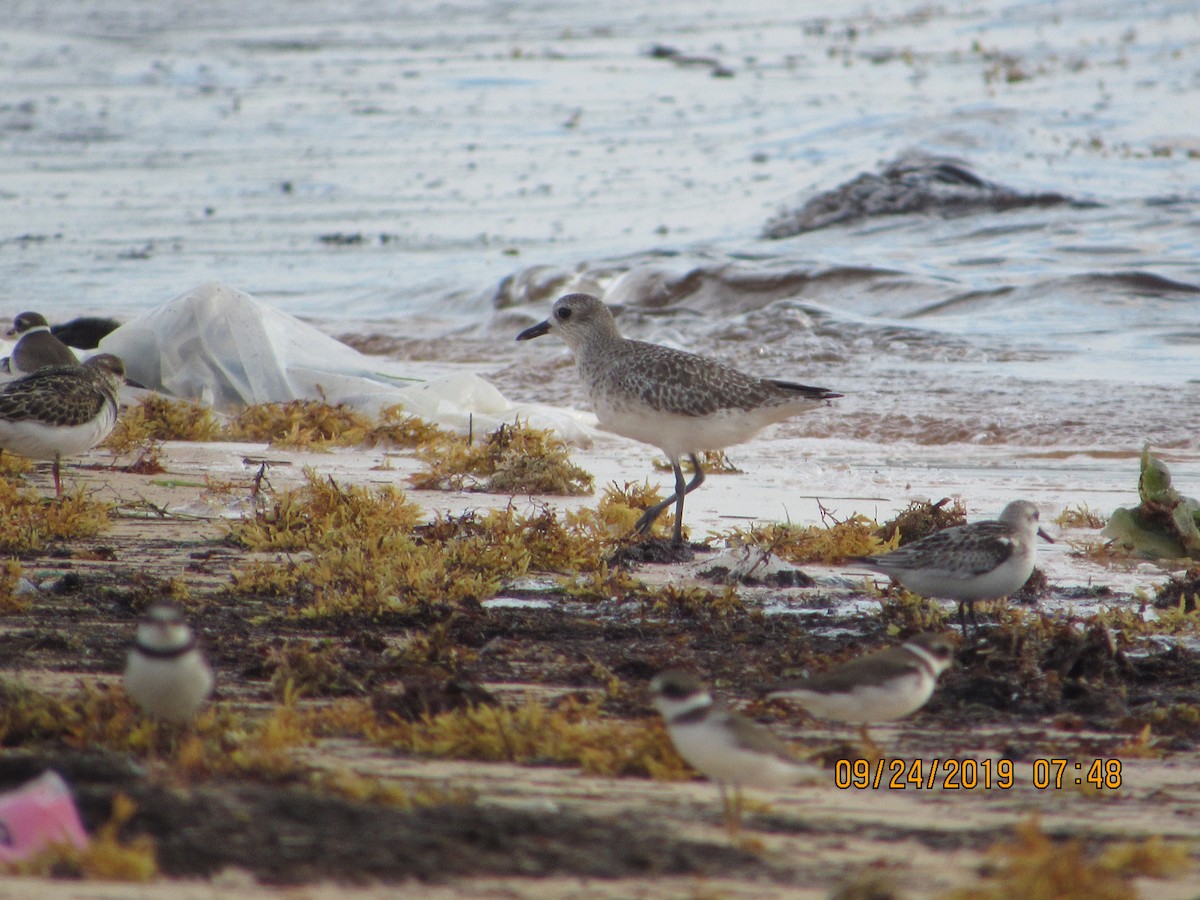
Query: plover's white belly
714	753
1001	581
678	435
41	441
869	703
168	689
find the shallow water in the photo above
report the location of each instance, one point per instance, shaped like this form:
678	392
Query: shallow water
398	171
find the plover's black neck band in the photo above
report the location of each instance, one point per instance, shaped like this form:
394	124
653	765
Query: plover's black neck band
165	652
691	716
924	659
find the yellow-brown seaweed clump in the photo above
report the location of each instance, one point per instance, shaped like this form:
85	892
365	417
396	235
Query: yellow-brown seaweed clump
159	418
513	459
364	554
570	733
1036	867
295	425
28	522
832	543
922	518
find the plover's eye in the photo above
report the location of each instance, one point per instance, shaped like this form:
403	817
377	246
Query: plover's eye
564	313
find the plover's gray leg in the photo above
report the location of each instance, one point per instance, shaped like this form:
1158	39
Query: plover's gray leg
962	616
734	820
649	517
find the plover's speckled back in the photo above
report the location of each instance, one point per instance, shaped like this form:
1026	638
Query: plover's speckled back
980	561
36	347
721	744
61	411
677	401
879	687
167	675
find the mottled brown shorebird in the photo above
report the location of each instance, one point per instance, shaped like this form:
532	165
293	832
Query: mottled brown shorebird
679	402
61	411
36	347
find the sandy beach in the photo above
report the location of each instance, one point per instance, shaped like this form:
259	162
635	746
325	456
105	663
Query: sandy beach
1014	320
925	841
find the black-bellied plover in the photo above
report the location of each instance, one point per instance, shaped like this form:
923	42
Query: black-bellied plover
723	745
36	347
979	561
879	687
166	674
679	402
61	411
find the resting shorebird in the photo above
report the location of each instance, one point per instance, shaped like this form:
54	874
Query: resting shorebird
980	561
679	402
167	675
61	411
722	745
879	687
36	347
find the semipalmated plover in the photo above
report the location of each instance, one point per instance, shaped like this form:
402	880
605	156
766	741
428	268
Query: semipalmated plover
36	347
721	744
166	674
677	401
980	561
61	411
879	687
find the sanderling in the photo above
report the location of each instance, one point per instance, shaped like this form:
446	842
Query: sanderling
980	561
61	411
677	401
722	745
167	675
879	687
36	347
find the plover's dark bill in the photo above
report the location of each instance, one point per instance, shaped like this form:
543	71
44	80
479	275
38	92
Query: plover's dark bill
166	675
980	561
722	745
61	411
879	687
677	401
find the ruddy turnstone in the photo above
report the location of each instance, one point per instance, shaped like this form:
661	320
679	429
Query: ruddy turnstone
166	674
679	402
979	561
36	347
61	411
722	745
879	687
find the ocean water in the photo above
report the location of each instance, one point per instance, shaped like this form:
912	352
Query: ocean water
423	178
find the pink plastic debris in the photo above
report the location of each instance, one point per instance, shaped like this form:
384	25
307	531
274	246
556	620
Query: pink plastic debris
37	814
